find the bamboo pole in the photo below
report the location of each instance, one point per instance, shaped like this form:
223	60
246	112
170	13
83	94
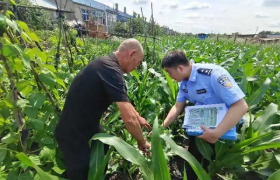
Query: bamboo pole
57	55
68	46
153	32
144	29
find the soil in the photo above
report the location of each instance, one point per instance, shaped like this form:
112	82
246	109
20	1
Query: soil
117	176
176	165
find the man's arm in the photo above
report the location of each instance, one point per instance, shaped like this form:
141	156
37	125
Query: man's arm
174	113
131	121
228	90
232	117
114	86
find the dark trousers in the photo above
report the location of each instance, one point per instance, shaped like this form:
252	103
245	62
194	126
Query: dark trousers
195	152
76	155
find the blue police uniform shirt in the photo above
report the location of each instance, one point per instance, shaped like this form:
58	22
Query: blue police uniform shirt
209	84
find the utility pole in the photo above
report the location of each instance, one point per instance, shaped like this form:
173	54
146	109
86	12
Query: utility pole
257	30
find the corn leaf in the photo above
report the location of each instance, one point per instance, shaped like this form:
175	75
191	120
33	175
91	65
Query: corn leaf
204	148
113	117
257	96
274	176
96	158
170	84
128	152
200	172
266	160
273	137
263	147
185	174
243	144
98	161
266	119
220	149
244	83
224	177
234	67
160	168
136	75
231	160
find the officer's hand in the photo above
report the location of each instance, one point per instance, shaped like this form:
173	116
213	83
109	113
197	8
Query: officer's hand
145	147
209	135
144	123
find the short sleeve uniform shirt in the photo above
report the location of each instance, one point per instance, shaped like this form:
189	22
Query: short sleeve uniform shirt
209	84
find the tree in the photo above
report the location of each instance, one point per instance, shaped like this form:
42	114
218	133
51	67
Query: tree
120	27
36	18
136	26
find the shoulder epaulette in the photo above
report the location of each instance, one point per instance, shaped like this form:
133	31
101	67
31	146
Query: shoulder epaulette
205	71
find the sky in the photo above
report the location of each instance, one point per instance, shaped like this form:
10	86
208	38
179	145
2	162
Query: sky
208	16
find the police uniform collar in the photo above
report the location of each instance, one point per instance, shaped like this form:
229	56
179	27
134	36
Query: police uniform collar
193	73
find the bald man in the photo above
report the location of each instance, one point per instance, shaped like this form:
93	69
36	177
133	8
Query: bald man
92	91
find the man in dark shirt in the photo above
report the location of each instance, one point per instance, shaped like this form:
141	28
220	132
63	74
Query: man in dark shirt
92	91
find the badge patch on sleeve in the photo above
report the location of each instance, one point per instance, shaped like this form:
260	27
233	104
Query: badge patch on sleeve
225	81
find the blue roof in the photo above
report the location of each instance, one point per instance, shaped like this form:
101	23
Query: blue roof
124	14
95	4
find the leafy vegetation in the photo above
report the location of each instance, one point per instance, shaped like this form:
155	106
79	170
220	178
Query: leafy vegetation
35	18
137	26
34	84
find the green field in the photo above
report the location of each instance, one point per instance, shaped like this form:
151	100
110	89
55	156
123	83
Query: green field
34	80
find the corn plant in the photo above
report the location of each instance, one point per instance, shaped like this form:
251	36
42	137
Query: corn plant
154	168
33	88
248	153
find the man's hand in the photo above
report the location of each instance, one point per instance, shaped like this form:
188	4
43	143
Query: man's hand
232	117
209	135
145	147
144	123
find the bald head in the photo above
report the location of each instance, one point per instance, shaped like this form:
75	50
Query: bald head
130	44
130	54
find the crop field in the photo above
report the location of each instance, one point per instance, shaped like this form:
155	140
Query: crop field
35	74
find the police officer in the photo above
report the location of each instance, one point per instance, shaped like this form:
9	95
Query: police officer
92	91
203	84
